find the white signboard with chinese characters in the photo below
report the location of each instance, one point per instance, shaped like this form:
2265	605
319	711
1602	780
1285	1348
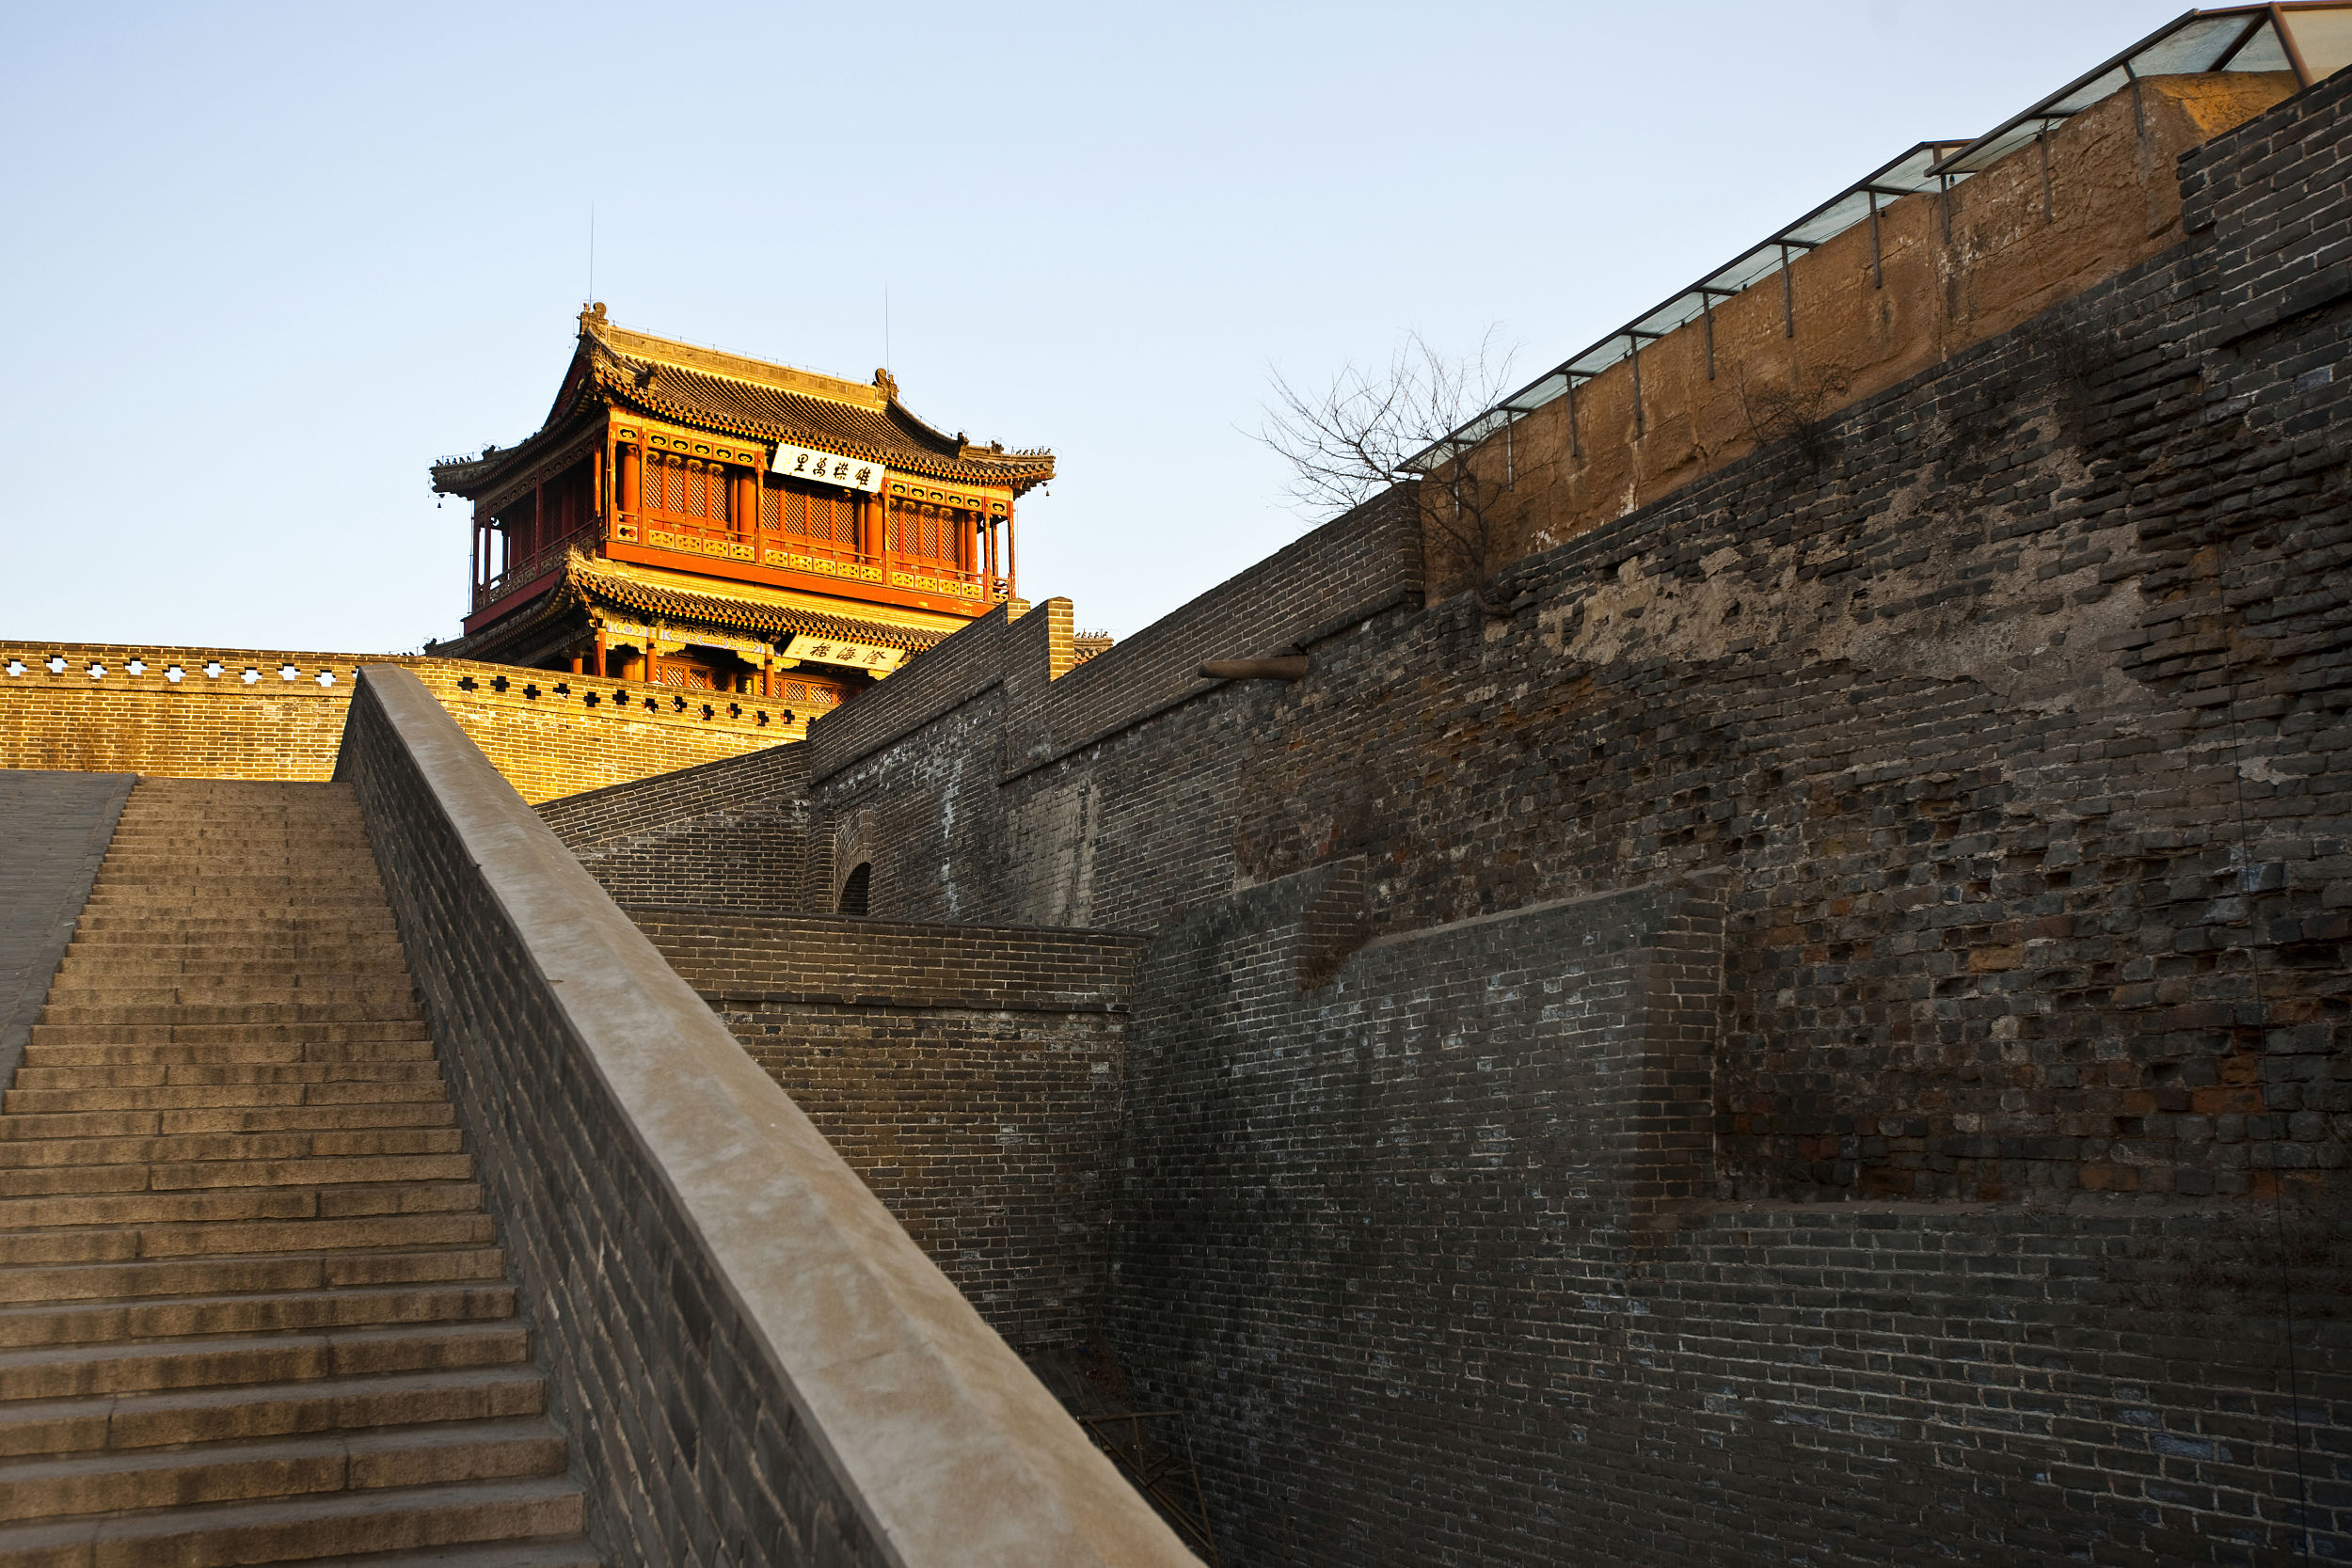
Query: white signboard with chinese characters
624	632
832	650
851	474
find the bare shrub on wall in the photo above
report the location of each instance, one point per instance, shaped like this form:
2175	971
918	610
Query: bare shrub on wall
1354	438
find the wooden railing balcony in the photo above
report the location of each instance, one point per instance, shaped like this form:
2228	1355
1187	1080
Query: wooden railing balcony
775	551
523	570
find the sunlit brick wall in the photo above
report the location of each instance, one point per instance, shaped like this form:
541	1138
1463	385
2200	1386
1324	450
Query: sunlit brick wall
244	713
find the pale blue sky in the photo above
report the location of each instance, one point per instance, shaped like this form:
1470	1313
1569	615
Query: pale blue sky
269	262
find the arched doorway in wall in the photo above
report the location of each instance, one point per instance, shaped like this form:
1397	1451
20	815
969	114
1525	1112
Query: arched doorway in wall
853	841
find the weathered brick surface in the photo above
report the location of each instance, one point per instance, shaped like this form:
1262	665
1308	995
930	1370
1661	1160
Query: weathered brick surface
734	832
2003	716
551	734
969	1074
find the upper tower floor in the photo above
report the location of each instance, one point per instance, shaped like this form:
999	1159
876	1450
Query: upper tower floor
669	455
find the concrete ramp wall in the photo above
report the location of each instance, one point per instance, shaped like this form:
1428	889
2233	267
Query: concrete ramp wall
756	1363
53	831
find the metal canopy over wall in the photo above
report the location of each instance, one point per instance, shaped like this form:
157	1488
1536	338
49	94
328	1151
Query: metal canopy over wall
2313	40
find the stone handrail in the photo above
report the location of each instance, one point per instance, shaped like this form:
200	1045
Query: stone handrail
754	1360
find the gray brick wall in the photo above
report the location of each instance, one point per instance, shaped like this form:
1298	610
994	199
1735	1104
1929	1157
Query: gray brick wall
753	1362
970	1075
734	830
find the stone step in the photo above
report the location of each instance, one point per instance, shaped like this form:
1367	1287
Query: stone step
259	928
188	1175
180	870
573	1553
140	843
199	912
322	1117
262	1272
267	884
279	1468
213	1096
256	917
312	982
150	860
191	888
376	964
227	1119
163	1075
158	1075
326	1233
225	823
286	1530
167	1053
247	1411
320	946
255	1312
119	983
235	1204
82	1371
100	1152
223	1033
180	1014
251	1307
229	942
146	844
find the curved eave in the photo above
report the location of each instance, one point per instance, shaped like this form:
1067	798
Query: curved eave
486	474
581	585
718	610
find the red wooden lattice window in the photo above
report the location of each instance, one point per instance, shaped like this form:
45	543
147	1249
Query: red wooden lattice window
686	488
821	517
929	532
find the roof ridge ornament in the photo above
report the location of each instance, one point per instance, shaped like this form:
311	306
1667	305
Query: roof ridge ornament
888	382
591	315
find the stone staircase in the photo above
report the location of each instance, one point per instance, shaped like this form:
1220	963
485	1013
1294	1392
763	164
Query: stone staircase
252	1308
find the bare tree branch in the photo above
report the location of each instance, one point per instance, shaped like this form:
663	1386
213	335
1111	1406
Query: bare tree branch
1351	440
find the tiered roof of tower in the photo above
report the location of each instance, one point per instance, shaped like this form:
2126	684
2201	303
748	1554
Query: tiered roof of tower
692	517
664	378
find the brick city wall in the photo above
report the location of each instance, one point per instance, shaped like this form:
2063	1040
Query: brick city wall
970	1075
2004	710
919	770
732	831
236	713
